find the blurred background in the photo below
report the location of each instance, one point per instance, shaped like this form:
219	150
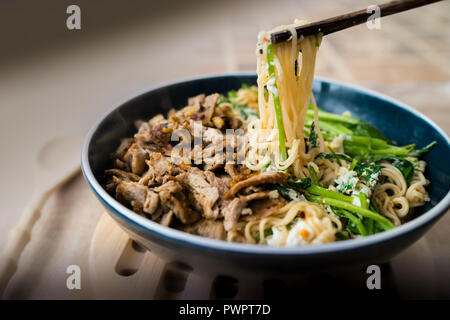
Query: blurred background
55	81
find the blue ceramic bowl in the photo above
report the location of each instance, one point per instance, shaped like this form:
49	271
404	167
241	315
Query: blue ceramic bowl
396	120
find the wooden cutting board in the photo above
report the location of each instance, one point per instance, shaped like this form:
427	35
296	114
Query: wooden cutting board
119	268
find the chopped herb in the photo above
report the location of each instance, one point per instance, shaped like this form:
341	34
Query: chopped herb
303	183
330	156
313	137
314	177
405	166
289	193
346	183
368	173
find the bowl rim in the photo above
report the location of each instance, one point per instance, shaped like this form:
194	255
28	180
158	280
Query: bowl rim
185	238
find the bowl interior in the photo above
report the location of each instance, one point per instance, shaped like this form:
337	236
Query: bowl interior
396	121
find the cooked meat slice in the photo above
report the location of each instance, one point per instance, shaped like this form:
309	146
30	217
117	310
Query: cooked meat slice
262	178
261	195
149	178
235	123
212	166
167	218
237	207
159	170
127	176
159	118
218	122
224	109
151	203
213	135
158	134
207	228
265	207
210	104
231	170
172	199
207	110
133	194
170	186
125	144
197	100
184	214
136	157
204	194
232	212
250	190
221	183
161	164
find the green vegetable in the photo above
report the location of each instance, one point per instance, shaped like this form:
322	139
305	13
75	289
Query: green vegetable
323	155
405	166
276	101
328	116
314	177
384	223
363	200
319	191
303	183
342	235
425	149
289	193
347	182
267	232
232	94
353	164
313	137
358	226
368	172
364	129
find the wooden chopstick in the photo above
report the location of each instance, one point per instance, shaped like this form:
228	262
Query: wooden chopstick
347	20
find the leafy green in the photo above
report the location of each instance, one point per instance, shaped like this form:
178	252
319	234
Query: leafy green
313	137
314	177
346	183
368	173
425	149
323	155
276	102
405	166
302	183
342	235
267	232
354	224
289	193
364	129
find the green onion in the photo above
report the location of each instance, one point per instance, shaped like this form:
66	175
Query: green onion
314	177
319	191
277	104
358	223
353	164
384	223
